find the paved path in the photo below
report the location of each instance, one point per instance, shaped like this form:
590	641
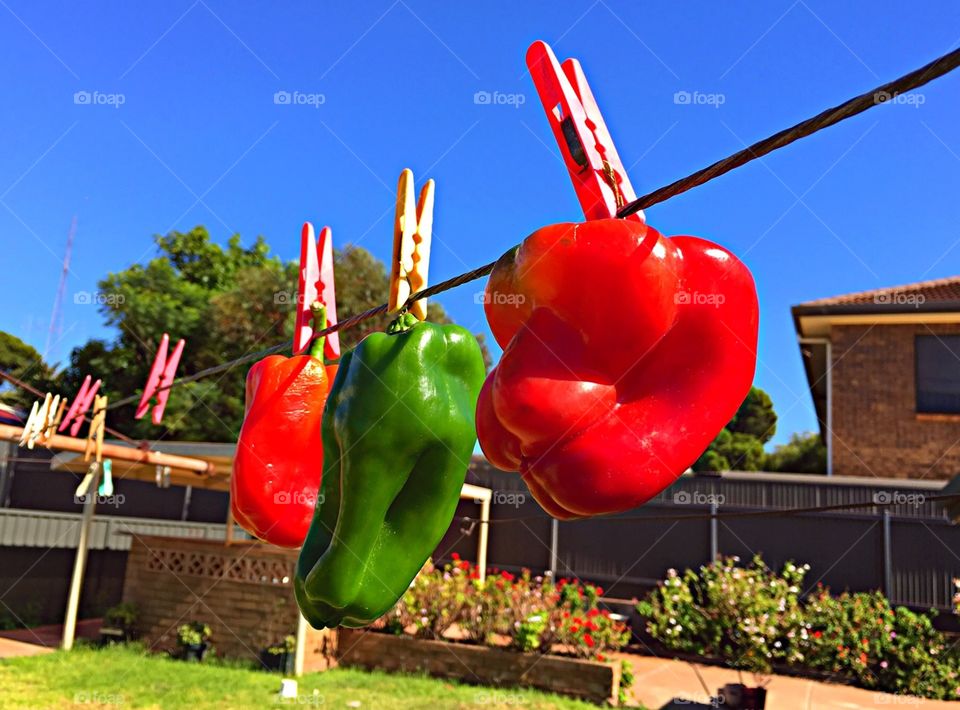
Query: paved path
658	681
43	639
10	648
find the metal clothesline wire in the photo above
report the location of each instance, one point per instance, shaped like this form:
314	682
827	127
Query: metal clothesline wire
943	498
885	93
37	393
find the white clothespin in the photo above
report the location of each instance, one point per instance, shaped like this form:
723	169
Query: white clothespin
412	232
162	476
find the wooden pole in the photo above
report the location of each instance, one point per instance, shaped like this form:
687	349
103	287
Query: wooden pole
483	537
301	651
80	563
115	452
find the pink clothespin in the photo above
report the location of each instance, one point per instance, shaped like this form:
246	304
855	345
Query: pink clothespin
316	284
78	408
598	176
161	375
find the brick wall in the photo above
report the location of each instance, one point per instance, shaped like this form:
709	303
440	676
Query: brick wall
876	430
244	592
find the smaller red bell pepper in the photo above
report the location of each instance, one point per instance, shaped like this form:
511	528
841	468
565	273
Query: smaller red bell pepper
279	459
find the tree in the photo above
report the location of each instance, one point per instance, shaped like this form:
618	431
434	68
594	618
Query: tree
739	445
25	363
804	453
755	417
227	302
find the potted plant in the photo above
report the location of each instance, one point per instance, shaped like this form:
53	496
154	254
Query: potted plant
119	623
193	640
280	656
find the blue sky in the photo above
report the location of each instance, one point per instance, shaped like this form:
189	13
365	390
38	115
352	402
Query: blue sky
198	139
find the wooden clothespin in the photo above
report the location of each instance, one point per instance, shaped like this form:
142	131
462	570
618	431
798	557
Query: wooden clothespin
412	232
598	176
161	377
316	286
87	482
54	422
79	407
95	435
49	424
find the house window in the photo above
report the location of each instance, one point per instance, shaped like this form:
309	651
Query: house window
938	373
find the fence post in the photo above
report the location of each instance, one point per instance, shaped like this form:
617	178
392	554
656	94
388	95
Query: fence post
554	542
714	533
887	555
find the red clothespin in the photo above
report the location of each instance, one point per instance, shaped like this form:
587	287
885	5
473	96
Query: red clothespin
78	408
598	176
161	375
316	284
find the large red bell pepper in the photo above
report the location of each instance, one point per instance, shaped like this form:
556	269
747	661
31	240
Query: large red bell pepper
279	459
625	353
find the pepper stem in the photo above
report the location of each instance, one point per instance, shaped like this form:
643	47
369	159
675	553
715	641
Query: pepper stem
403	322
319	312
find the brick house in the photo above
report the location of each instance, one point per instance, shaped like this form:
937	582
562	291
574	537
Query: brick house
883	368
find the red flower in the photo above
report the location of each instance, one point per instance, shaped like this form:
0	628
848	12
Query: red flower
455	557
601	657
574	629
592	626
599	591
464	564
592	613
507	576
588	639
817	634
863	658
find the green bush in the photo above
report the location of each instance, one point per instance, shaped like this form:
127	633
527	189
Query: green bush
860	636
752	618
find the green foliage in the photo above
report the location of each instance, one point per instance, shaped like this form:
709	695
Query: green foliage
626	682
227	302
534	613
748	616
861	637
752	618
755	416
804	453
529	632
739	445
122	616
25	363
193	633
287	645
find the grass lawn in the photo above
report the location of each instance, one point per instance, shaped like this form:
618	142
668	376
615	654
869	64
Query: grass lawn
128	676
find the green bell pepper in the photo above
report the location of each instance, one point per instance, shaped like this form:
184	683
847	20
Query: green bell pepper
398	432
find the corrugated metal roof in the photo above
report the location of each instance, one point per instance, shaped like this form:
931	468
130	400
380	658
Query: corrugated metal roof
38	528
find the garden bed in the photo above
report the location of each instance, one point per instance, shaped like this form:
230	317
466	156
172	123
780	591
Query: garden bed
588	680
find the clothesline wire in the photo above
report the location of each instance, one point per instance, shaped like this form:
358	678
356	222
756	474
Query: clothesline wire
886	93
882	94
717	515
37	393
